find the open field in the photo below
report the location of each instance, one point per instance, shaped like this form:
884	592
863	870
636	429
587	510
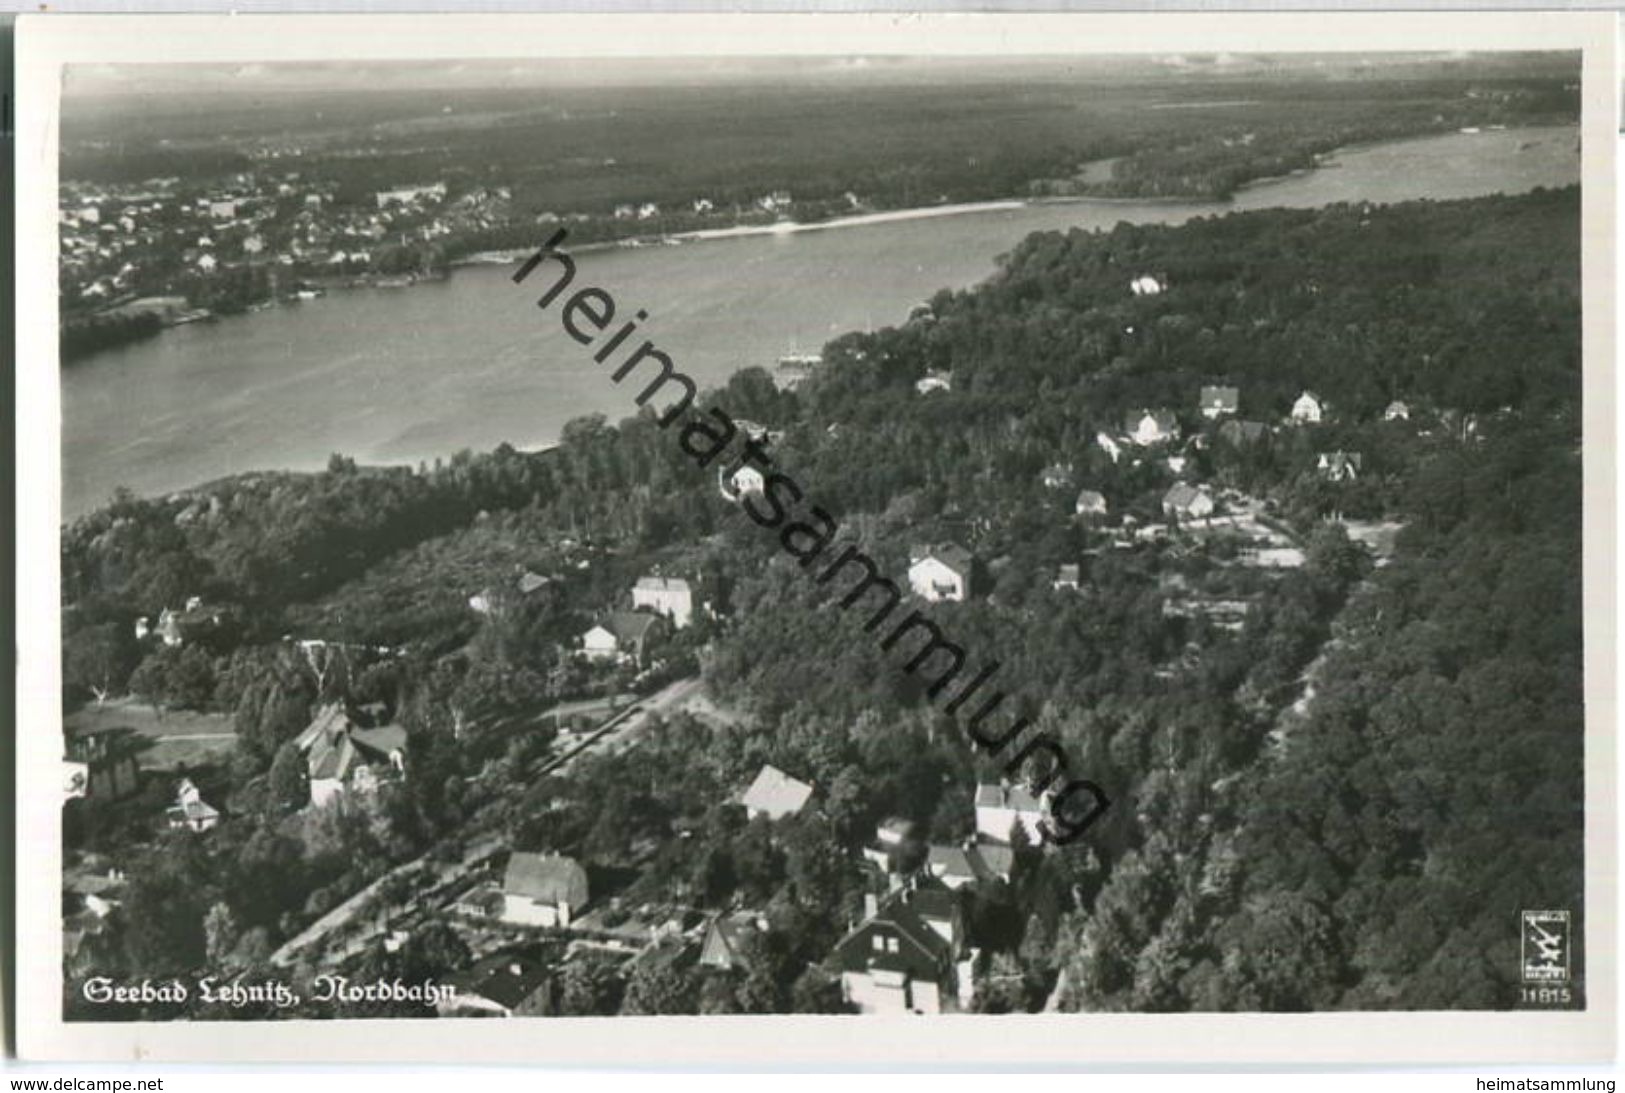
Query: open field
171	738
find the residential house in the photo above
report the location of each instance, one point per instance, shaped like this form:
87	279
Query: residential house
1308	410
407	195
501	985
625	635
1397	411
1148	285
102	765
1147	427
1067	578
190	810
1109	446
1187	502
903	957
669	597
941	572
727	941
207	262
178	627
543	889
969	863
892	835
1340	466
648	211
746	480
342	757
775	794
1217	402
999	808
223	210
934	381
794	369
1090	503
703	205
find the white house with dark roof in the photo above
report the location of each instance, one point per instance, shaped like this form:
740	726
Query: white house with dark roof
190	810
1308	409
1397	411
543	889
941	572
1340	466
1000	807
775	794
1217	402
669	597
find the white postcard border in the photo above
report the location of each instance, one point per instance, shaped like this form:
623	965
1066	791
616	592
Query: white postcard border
46	43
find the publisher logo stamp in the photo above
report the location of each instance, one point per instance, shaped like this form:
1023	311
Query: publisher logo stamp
1545	946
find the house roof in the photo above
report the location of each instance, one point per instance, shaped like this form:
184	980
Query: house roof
1220	398
546	878
1091	501
1165	420
952	555
335	746
101	745
329	718
1069	571
629	626
1236	431
194	810
725	939
921	951
1181	495
333	758
953	861
506	979
663	584
776	793
382	741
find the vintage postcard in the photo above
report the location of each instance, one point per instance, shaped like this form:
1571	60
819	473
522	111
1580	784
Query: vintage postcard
817	539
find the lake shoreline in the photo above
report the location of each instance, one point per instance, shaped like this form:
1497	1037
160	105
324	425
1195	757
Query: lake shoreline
404	378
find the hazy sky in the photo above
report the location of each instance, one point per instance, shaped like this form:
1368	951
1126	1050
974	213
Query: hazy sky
103	79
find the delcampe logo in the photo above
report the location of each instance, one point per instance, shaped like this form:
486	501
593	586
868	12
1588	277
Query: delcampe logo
1545	946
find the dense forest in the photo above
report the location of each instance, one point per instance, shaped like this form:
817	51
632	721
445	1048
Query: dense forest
1366	845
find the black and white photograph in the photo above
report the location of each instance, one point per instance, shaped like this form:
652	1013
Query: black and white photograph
821	527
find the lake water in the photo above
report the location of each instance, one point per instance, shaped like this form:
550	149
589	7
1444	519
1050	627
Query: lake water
409	374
